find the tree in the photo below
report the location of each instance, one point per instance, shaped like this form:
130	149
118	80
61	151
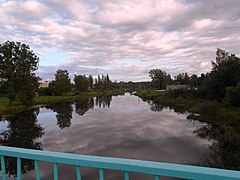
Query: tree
108	82
193	80
62	83
90	81
159	78
103	82
182	78
232	96
81	83
17	66
225	73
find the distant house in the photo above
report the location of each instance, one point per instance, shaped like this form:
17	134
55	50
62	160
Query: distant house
44	84
177	87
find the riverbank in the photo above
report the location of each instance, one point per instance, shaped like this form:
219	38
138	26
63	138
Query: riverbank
198	109
6	108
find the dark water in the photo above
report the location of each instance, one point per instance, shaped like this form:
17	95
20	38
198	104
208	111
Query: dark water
115	126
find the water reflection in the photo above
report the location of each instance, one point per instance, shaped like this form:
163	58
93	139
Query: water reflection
225	148
82	106
224	151
124	128
64	113
22	131
157	107
104	101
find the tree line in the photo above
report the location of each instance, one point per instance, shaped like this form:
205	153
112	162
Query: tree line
221	84
160	79
18	64
18	81
82	83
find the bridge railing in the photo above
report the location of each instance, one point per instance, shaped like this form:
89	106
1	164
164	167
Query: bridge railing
157	169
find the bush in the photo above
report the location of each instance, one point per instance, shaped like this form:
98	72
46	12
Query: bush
44	92
232	96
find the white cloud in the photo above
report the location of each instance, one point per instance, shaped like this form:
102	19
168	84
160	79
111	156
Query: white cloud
105	36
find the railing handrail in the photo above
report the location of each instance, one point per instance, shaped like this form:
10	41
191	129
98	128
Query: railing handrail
122	164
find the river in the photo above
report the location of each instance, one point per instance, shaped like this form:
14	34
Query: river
114	126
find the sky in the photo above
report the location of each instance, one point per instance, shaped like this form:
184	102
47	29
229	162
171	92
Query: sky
122	38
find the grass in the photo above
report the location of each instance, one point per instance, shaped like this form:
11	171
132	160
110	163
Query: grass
4	101
6	108
55	99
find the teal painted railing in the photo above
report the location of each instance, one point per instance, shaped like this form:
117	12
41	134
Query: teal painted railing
156	169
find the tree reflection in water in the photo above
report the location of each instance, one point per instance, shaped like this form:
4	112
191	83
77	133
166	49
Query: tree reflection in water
23	131
64	113
83	105
225	147
159	107
155	107
103	101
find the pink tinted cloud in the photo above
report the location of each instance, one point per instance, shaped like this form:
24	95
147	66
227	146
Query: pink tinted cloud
99	36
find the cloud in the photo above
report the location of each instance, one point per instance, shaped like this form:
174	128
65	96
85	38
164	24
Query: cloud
98	36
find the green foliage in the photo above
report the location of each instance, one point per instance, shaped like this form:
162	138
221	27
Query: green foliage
193	81
90	80
81	83
160	78
17	66
225	73
182	78
103	83
44	91
232	96
61	84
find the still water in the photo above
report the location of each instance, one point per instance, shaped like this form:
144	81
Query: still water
116	126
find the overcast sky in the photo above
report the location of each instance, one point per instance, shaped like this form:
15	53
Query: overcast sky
124	38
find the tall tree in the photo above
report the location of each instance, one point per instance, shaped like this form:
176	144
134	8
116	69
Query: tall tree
193	80
62	83
108	82
182	78
17	66
225	73
90	81
81	83
159	78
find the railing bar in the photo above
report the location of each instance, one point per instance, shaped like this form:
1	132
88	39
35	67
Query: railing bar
19	169
55	169
37	169
78	172
101	174
126	175
156	177
3	168
121	164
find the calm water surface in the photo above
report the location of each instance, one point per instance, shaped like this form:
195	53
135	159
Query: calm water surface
115	126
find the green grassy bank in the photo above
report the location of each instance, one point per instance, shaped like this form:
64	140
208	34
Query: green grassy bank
198	109
6	108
